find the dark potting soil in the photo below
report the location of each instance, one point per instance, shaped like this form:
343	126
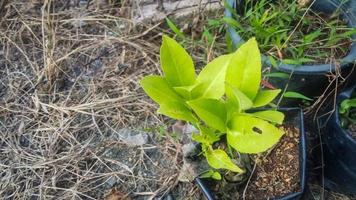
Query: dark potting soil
277	174
352	129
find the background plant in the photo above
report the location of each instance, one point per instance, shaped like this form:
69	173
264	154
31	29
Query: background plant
348	112
218	101
296	34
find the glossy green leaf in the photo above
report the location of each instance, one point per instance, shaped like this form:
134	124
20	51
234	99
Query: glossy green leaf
158	89
211	111
212	78
176	63
265	97
187	92
270	115
238	98
177	110
218	159
245	72
249	134
296	95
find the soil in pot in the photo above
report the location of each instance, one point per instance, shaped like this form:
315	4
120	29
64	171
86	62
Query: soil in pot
276	173
295	34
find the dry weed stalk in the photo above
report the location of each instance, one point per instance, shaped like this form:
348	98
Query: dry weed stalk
67	85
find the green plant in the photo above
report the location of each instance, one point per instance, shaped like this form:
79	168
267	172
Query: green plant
219	101
292	33
348	112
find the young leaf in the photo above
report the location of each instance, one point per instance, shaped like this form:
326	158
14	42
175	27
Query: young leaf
270	115
245	72
212	78
158	89
206	136
187	92
296	95
211	111
264	97
248	134
176	64
177	110
174	28
234	95
218	159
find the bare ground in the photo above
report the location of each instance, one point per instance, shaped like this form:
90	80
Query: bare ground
68	84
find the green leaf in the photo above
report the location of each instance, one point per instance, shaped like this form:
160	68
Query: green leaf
174	28
245	72
298	61
176	64
248	134
218	159
312	36
158	89
270	115
346	105
211	111
264	97
273	61
177	110
296	95
212	78
211	174
231	22
206	137
241	101
277	75
187	92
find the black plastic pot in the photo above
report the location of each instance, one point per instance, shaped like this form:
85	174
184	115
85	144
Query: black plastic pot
294	116
307	79
339	151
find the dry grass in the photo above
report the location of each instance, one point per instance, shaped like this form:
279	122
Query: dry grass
68	83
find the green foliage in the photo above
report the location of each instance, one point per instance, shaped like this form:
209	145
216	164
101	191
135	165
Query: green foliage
249	134
211	174
210	111
174	28
217	101
176	63
296	95
264	97
218	159
347	111
294	34
245	75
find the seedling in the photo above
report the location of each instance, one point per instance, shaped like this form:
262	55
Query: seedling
220	101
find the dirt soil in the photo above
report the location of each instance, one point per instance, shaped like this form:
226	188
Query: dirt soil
277	174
